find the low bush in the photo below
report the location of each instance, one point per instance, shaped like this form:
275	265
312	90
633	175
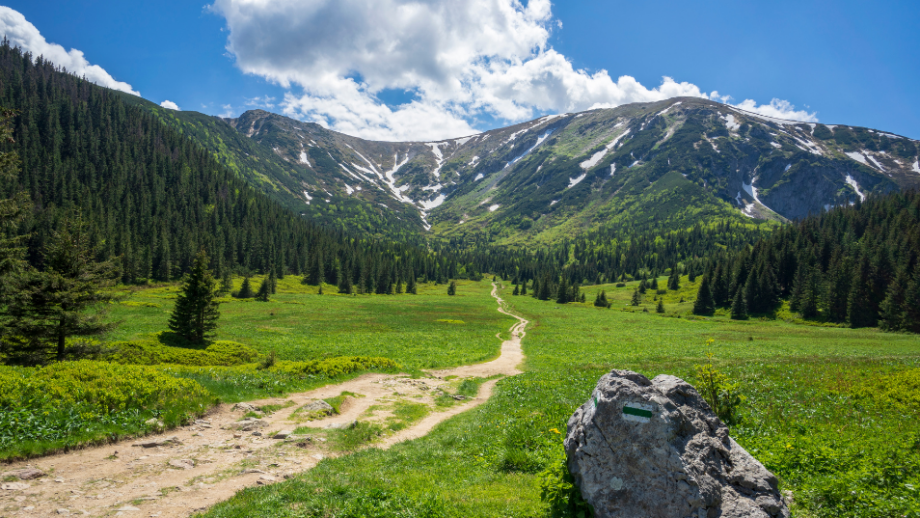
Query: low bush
223	353
72	403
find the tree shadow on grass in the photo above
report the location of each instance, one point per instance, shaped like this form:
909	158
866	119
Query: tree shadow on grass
172	339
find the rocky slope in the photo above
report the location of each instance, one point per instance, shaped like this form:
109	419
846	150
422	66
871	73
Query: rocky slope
680	161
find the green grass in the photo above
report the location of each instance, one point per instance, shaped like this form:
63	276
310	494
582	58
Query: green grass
298	324
807	417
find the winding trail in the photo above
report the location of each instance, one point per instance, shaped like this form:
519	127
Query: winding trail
208	462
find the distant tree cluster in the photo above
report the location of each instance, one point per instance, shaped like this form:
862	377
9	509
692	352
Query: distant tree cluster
858	265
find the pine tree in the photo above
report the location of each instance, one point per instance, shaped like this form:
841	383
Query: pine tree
860	310
636	298
265	290
410	284
809	298
245	290
704	304
691	273
674	279
524	287
452	288
49	306
516	291
912	302
195	314
601	299
345	285
642	287
226	281
654	283
892	312
739	306
660	307
272	281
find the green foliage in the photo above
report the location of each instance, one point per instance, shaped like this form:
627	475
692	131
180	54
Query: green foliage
452	288
195	314
719	391
559	491
245	291
221	352
71	403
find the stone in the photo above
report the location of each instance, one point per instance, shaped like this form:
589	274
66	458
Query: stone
283	434
154	422
128	509
655	448
161	441
14	486
248	425
317	409
348	425
63	511
459	397
26	473
182	463
253	471
246	407
266	479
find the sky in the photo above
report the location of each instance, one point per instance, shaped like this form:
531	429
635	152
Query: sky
435	69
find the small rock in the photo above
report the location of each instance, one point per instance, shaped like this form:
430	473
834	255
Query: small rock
153	443
248	425
128	508
318	408
246	407
29	473
237	435
63	511
59	480
266	479
14	486
459	397
283	434
257	434
182	463
342	426
253	471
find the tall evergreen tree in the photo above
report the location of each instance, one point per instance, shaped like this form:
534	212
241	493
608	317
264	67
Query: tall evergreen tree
601	299
636	298
704	304
410	284
196	312
265	290
674	279
562	292
452	288
739	306
245	290
50	305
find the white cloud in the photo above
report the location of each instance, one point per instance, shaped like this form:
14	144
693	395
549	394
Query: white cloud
228	112
261	102
169	105
21	33
460	60
778	109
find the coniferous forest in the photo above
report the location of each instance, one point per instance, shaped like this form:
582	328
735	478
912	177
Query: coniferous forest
856	265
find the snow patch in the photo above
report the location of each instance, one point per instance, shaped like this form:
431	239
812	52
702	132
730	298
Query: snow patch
575	181
430	204
613	169
464	140
752	192
876	162
474	160
493	208
858	157
634	164
662	112
731	123
304	159
479	176
309	198
788	167
774	144
917	166
540	140
855	186
553	202
438	156
348	189
390	180
597	157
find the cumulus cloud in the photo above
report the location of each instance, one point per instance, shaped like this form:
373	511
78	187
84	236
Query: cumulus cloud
169	105
778	109
458	60
21	33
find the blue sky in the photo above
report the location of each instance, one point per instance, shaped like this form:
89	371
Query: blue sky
838	61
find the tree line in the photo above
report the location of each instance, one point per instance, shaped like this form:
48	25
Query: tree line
855	265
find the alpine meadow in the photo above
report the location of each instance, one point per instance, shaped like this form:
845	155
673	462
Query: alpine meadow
412	261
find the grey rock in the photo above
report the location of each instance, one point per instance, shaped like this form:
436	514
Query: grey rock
318	408
14	486
459	397
182	463
246	407
283	434
160	441
27	473
655	448
248	425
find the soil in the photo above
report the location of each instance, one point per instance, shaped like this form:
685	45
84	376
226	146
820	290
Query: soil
209	461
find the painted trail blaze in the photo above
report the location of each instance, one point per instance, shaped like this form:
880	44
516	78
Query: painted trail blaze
637	412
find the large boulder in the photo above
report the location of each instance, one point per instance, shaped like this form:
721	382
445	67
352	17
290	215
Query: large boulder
655	449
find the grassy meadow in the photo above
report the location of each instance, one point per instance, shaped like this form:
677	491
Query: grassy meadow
834	412
316	340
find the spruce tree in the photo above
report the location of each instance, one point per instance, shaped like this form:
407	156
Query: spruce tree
601	299
226	281
265	290
704	304
911	320
50	305
636	298
739	306
410	284
452	288
245	290
691	273
892	312
674	279
345	285
660	307
195	314
516	291
562	291
524	287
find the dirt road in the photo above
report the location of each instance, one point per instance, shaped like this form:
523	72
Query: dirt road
189	469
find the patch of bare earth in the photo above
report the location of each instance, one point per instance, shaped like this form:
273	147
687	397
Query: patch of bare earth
190	469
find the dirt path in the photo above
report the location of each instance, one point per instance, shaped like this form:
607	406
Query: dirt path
192	468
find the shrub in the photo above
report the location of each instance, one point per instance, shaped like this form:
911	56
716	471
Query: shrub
558	489
152	353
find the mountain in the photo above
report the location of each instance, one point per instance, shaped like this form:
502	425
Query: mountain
669	164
